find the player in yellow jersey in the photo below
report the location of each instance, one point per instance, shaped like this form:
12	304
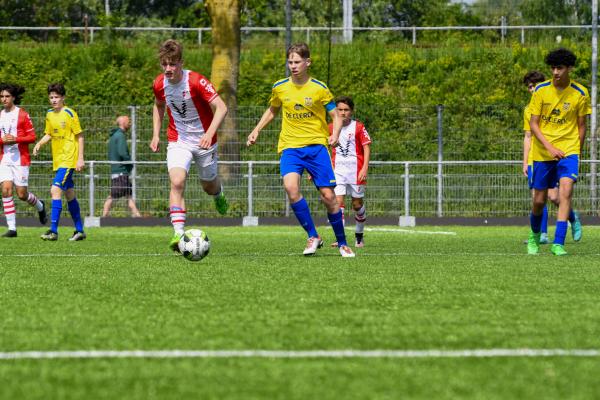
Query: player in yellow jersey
558	122
530	80
303	141
64	130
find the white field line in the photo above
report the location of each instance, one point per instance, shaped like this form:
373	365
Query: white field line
411	231
166	354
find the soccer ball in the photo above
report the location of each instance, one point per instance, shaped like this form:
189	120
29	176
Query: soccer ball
194	245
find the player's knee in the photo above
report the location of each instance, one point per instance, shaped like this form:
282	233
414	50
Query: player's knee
22	195
357	204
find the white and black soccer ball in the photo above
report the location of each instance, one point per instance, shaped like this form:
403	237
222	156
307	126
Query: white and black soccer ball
194	245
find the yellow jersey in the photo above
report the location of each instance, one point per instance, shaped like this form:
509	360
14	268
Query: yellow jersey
527	128
63	127
304	109
558	111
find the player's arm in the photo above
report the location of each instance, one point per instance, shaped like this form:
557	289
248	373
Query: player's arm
158	114
337	127
534	123
42	142
219	109
28	131
582	127
80	159
266	118
362	174
526	148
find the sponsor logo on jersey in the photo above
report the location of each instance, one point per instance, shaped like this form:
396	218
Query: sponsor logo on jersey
566	106
308	101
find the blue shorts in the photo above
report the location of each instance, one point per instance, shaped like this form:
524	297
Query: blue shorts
315	159
64	178
530	176
546	174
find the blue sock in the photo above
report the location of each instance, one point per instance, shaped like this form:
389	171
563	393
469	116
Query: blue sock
55	215
337	223
75	214
571	216
561	232
302	213
544	227
535	222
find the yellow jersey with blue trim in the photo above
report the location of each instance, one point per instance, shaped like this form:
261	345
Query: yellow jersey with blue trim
527	128
63	126
558	111
304	110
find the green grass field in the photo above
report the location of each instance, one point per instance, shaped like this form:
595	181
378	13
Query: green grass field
423	289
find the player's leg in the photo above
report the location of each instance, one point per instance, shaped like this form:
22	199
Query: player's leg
319	166
360	216
576	228
565	193
25	195
567	172
75	211
56	192
340	193
544	176
207	165
8	204
179	160
135	213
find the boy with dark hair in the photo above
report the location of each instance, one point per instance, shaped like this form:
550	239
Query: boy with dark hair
558	122
64	130
16	134
351	164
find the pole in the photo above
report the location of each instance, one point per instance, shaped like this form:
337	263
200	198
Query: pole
440	172
407	189
288	31
107	8
133	117
593	138
347	21
250	189
92	189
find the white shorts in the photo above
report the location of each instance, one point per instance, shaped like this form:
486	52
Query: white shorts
356	191
18	174
180	155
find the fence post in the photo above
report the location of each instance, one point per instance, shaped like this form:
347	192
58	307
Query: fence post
503	27
132	110
440	172
414	35
250	219
91	35
91	220
307	35
406	219
522	35
199	36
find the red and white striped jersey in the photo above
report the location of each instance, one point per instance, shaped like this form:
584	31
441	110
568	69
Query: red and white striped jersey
18	124
188	106
348	156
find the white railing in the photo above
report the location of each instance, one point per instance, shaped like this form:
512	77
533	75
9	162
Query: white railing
403	189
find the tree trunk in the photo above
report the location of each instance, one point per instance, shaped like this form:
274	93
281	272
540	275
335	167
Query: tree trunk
225	25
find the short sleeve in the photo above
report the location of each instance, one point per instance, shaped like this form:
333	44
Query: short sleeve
158	88
363	136
274	100
585	107
526	119
535	105
48	127
75	125
202	86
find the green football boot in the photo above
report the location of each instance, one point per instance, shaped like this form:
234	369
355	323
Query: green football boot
576	230
558	250
174	243
221	203
533	244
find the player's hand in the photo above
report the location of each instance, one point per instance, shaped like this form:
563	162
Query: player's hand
9	139
36	149
362	175
556	153
525	169
205	141
154	144
80	165
252	138
333	140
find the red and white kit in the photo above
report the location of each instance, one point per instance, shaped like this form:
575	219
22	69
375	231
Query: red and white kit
190	115
348	157
15	158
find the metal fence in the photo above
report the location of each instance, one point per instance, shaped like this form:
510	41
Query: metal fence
305	33
395	188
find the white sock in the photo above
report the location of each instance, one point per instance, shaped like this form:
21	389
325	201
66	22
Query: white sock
342	209
360	217
10	213
178	219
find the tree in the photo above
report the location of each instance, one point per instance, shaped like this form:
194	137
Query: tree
225	27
